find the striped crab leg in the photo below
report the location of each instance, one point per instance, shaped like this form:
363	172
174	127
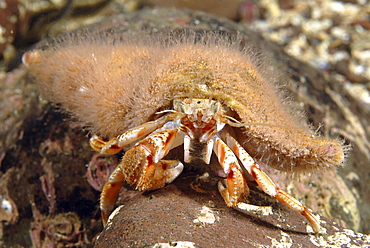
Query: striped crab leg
115	145
234	188
143	168
267	185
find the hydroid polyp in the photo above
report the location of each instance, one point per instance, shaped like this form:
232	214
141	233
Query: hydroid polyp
150	94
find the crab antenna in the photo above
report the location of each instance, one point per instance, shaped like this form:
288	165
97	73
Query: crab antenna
235	123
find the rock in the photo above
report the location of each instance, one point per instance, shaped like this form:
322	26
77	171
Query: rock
177	213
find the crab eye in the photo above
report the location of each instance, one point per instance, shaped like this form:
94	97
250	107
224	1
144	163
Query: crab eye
180	106
215	106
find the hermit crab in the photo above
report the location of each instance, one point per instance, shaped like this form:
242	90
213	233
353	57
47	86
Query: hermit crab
204	93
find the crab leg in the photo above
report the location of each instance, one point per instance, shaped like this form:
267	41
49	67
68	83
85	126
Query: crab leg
209	147
110	192
143	168
115	145
246	160
270	188
233	189
187	141
267	185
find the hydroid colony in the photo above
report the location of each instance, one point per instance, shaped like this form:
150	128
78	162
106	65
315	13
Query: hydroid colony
115	83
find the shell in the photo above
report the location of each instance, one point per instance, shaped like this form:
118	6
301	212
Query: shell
115	82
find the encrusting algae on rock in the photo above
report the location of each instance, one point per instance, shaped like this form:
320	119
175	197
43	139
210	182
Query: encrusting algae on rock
152	94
